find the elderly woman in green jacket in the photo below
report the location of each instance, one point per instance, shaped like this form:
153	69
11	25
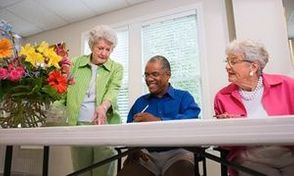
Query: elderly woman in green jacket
93	97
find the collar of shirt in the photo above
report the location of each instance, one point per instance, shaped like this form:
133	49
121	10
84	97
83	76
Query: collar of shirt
87	61
170	92
268	81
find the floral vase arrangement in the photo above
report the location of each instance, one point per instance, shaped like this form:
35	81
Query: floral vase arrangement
30	80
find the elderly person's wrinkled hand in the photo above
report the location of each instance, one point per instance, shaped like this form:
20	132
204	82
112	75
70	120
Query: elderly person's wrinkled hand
100	117
227	115
145	117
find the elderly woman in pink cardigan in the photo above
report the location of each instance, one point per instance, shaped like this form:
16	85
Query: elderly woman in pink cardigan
254	94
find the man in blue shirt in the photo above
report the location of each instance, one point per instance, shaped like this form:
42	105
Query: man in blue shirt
162	103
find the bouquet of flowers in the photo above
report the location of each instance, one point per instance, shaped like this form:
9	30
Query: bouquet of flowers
30	80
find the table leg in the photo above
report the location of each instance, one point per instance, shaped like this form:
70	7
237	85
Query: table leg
45	160
8	160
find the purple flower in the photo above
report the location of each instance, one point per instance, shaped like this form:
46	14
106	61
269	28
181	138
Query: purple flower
5	28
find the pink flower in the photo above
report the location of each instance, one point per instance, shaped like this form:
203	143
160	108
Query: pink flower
16	74
3	73
20	69
65	66
61	50
11	67
65	61
65	69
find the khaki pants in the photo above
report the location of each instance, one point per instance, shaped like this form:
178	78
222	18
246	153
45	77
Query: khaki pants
161	161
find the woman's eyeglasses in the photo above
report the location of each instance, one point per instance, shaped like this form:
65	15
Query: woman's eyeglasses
233	62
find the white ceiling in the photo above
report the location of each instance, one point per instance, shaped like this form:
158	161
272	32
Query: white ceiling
29	17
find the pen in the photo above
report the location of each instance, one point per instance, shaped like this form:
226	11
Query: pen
145	108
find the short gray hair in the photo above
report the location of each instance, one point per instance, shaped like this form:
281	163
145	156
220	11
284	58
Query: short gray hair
102	32
165	65
251	50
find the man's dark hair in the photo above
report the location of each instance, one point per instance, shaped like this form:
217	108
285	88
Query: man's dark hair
164	62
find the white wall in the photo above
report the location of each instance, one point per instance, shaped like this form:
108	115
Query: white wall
213	40
259	20
212	50
264	21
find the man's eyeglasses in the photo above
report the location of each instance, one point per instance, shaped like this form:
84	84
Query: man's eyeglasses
233	62
152	75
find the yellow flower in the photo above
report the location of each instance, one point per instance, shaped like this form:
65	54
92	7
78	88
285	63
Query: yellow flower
52	58
31	55
6	48
42	47
36	72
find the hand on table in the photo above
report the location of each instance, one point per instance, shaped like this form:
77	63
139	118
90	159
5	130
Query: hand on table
227	115
100	117
145	117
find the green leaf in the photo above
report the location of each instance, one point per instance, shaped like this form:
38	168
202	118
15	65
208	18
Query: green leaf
51	92
18	88
36	89
19	94
2	93
5	87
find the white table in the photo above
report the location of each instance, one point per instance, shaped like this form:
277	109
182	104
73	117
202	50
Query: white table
271	130
277	130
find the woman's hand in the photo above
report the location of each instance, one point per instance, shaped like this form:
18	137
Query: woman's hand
100	117
227	115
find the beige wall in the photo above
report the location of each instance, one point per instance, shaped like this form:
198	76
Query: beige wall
213	43
213	38
264	21
266	26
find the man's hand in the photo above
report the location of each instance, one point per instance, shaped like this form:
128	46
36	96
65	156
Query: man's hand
145	117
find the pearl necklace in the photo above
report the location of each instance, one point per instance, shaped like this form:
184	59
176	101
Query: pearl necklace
250	95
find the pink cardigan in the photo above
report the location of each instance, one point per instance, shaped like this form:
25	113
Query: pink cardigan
277	99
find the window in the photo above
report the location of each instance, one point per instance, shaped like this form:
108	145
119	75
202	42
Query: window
173	35
176	39
121	55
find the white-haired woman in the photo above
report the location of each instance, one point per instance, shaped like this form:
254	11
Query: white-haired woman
92	99
254	94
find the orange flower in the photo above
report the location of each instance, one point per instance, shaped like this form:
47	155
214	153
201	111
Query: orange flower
5	48
57	81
